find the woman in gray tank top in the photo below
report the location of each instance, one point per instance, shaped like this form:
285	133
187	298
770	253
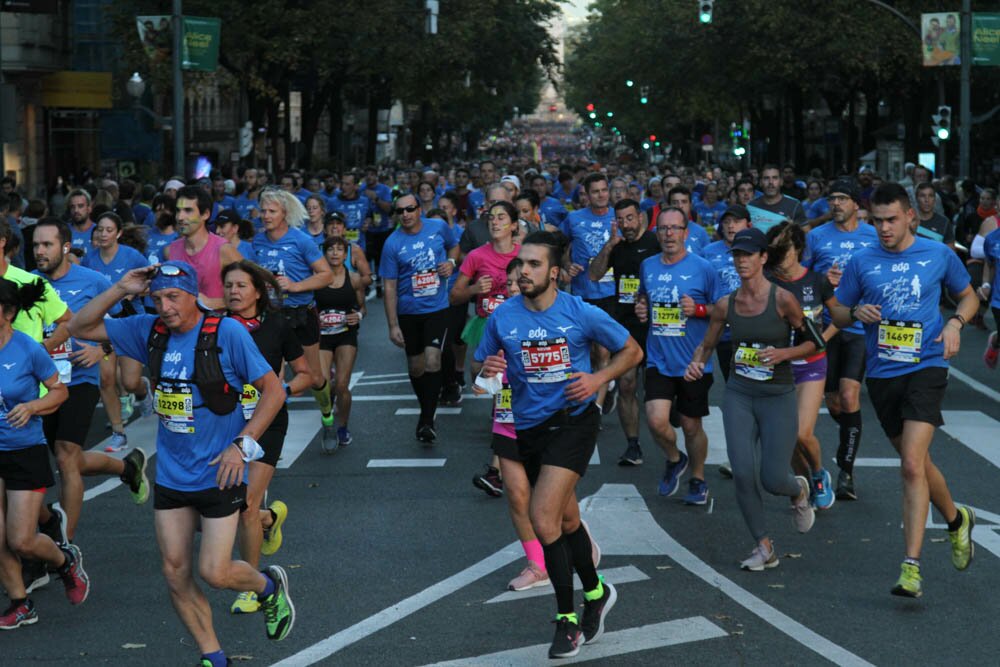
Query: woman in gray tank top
759	406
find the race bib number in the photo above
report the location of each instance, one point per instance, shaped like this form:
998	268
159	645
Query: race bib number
546	360
489	303
175	407
814	313
668	319
747	363
502	413
608	277
248	400
60	356
628	287
352	235
425	283
332	322
900	340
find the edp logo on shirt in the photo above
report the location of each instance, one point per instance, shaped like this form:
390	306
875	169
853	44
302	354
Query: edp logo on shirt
538	333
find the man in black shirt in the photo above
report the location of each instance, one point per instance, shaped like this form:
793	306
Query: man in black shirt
772	207
930	224
624	253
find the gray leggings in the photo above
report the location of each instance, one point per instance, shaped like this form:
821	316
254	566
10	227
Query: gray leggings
772	420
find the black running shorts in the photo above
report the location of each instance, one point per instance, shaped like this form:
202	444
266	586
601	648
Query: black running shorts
423	331
71	422
26	469
916	396
563	440
304	321
505	447
845	357
211	503
691	397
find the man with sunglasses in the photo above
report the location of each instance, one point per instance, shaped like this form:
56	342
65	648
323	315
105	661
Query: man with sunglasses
416	262
202	451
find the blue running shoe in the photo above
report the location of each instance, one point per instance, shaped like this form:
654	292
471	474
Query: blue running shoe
344	436
697	492
823	496
672	475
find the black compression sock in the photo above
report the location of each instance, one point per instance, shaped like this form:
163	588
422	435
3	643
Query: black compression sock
956	523
558	564
850	440
432	389
632	441
583	557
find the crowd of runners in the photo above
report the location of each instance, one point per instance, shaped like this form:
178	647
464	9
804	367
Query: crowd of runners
566	291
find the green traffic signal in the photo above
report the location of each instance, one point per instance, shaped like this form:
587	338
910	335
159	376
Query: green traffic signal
643	100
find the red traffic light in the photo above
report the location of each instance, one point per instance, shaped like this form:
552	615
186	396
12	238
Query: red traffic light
652	137
590	106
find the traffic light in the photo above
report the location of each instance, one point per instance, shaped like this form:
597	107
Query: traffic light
629	83
738	135
942	124
652	137
611	114
705	10
644	95
593	115
590	106
645	145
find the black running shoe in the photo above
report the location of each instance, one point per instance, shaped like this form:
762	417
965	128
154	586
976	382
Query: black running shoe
56	526
845	486
610	399
426	434
632	456
489	481
451	395
35	574
567	640
594	613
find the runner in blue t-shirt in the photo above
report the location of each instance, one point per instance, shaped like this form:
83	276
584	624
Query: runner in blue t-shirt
894	290
829	251
78	205
356	208
710	208
380	227
201	451
991	250
677	292
79	362
588	229
299	267
697	238
542	339
417	260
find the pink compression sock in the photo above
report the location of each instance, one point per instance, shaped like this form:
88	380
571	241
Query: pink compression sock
533	550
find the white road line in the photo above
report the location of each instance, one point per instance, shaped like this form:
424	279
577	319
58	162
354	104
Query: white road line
388	398
355	377
616	575
618	512
621	642
378	382
386	375
974	383
406	463
595	459
302	428
383	619
975	430
402	412
891	462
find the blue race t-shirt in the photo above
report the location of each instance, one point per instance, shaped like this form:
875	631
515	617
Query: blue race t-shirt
26	365
227	202
991	248
412	260
555	213
697	239
244	205
292	255
126	258
710	214
588	233
82	239
816	208
673	337
190	435
907	285
828	245
720	256
382	221
544	348
245	249
143	214
476	203
156	242
355	211
77	288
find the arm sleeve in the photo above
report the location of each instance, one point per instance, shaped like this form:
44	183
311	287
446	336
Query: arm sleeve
976	250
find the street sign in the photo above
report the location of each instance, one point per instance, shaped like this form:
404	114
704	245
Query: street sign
985	39
201	40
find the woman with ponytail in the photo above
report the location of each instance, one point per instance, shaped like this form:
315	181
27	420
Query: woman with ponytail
25	472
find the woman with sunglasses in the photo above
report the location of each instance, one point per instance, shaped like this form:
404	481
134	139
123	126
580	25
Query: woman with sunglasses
25	472
113	260
299	267
247	289
341	308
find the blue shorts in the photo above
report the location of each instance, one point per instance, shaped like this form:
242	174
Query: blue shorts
811	371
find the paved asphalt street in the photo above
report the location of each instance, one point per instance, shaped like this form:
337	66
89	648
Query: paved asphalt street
393	565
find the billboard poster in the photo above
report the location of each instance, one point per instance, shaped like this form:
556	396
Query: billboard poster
940	41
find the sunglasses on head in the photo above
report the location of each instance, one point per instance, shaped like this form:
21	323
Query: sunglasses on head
170	271
406	209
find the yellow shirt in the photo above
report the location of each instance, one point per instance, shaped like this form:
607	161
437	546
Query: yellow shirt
44	313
